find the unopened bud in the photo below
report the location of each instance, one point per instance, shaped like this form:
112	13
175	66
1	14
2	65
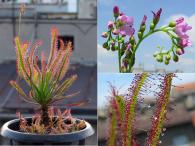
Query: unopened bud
140	35
180	51
132	40
104	35
168	57
172	24
116	11
105	45
175	58
166	62
159	58
152	26
110	24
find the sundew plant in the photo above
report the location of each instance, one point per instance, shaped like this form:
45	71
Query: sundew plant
45	77
122	37
123	110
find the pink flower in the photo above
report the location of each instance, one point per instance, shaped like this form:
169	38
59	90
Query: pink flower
181	31
179	20
127	20
126	30
128	47
115	31
110	24
184	42
126	23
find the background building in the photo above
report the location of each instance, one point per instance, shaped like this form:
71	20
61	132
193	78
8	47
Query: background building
76	21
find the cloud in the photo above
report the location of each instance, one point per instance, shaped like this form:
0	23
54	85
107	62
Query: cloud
107	60
187	61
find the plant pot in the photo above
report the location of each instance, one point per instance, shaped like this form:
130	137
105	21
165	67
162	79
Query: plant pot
10	130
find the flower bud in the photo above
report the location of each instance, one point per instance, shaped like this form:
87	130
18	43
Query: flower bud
156	16
175	58
180	51
125	62
168	57
121	40
143	28
116	11
104	35
115	31
172	24
132	40
128	47
105	45
159	58
155	54
110	24
152	26
143	23
140	35
114	48
166	62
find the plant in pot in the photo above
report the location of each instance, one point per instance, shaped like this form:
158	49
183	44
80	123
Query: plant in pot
47	84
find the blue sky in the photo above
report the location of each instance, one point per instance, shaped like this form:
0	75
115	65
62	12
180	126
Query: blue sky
122	82
107	61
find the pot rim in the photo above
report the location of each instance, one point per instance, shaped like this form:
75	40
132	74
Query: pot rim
62	137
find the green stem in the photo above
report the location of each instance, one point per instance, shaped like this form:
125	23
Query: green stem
163	29
119	55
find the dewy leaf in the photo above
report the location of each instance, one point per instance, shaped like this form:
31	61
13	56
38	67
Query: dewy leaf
65	85
57	98
161	108
20	56
21	92
54	35
131	104
112	134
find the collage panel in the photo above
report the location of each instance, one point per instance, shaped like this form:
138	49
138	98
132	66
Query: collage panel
146	109
145	73
145	37
48	72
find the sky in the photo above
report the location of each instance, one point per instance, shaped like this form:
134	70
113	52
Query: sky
107	61
122	82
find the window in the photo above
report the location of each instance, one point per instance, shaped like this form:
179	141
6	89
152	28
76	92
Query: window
66	39
181	140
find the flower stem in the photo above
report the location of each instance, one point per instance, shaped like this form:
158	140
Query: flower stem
163	29
119	55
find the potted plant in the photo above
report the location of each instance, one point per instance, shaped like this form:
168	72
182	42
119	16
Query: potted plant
47	84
